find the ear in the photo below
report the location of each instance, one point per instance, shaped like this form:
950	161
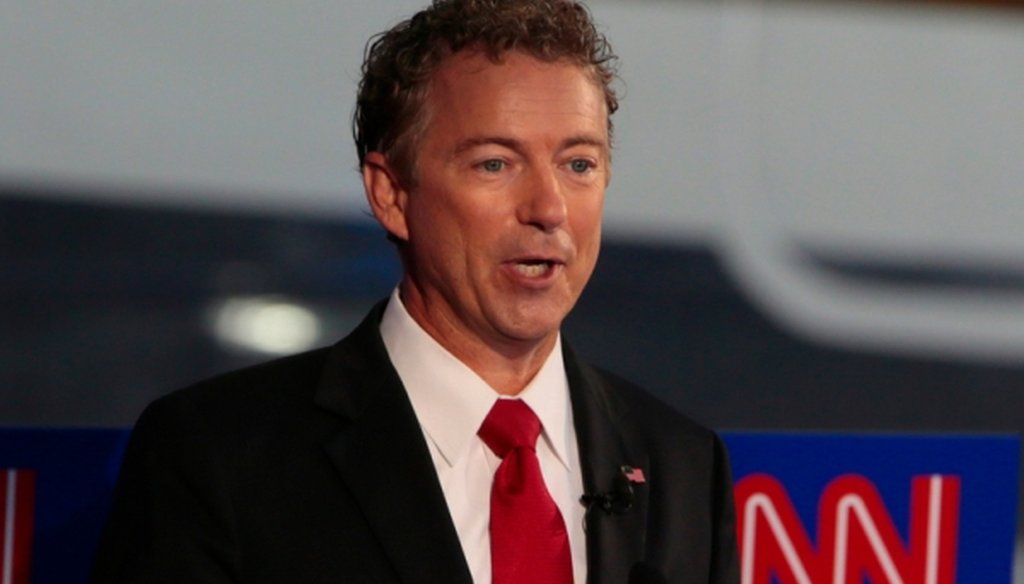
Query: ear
385	194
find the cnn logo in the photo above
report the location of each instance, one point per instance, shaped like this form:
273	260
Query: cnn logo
857	537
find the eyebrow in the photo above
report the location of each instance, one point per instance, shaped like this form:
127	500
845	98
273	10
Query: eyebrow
514	144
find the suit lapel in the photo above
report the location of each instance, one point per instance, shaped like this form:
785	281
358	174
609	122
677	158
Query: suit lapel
615	540
384	459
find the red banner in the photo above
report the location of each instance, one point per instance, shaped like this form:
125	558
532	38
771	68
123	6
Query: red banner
17	508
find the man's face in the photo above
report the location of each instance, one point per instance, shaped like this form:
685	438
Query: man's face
503	226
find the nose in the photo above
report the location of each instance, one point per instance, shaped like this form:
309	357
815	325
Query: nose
543	204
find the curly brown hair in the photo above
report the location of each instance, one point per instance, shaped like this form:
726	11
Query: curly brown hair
399	63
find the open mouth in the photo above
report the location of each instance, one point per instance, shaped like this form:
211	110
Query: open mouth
534	268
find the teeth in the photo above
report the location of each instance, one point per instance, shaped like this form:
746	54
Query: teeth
532	270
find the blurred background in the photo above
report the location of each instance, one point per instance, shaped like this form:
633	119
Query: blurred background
814	220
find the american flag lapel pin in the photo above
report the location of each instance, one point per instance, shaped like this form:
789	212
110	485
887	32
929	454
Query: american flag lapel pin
634	474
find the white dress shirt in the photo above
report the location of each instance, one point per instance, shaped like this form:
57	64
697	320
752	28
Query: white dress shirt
451	402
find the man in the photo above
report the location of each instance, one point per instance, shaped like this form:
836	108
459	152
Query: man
409	451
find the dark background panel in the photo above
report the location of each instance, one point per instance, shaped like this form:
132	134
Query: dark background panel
104	307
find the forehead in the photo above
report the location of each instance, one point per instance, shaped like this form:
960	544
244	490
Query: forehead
470	90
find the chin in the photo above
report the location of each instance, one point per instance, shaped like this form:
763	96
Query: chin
533	327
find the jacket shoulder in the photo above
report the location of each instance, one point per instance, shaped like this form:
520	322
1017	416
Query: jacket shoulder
286	376
644	411
238	408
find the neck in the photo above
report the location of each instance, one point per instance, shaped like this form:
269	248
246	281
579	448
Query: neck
507	365
507	375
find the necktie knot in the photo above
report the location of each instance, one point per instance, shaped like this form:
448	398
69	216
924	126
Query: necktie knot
510	424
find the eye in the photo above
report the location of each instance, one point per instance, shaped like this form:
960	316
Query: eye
492	165
580	165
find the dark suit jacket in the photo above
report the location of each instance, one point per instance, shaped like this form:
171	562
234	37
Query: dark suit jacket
313	468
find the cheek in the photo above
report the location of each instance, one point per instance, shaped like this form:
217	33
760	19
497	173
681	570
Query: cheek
434	238
433	219
587	224
588	241
467	239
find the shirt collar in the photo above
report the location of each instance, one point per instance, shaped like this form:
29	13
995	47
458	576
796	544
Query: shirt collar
451	400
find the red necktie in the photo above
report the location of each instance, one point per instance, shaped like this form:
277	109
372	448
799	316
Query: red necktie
529	543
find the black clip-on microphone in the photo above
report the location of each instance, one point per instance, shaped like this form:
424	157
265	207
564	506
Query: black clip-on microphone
620	498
